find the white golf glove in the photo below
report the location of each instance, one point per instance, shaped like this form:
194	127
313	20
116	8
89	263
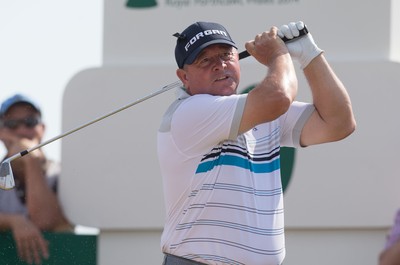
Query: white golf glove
303	49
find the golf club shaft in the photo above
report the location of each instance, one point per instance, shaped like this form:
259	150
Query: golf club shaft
162	90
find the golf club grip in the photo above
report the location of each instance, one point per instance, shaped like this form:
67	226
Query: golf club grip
302	32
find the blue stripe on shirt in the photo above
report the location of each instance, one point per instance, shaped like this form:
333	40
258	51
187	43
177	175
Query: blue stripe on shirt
229	160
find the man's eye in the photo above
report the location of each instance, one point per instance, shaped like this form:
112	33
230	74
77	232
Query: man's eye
226	56
205	60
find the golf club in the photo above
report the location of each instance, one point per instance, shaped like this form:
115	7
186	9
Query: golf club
6	174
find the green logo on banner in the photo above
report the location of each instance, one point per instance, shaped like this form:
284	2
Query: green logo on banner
287	156
141	3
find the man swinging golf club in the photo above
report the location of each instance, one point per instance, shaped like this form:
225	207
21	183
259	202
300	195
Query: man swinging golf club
6	174
219	150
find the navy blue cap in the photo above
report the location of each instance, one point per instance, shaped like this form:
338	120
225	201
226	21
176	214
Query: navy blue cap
196	37
17	98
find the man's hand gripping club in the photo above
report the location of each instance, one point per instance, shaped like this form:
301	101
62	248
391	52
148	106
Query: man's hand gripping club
302	49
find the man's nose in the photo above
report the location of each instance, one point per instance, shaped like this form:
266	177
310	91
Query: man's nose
218	61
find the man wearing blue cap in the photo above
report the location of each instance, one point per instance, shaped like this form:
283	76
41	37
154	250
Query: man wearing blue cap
32	206
219	151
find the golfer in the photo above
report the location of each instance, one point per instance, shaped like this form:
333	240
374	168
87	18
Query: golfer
219	150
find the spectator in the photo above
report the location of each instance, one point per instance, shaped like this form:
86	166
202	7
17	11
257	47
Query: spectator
32	206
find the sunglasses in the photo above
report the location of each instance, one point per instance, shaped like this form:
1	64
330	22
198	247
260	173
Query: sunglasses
29	122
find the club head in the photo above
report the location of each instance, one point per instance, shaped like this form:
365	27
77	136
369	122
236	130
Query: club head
6	176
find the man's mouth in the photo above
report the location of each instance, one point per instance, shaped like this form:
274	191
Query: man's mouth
222	78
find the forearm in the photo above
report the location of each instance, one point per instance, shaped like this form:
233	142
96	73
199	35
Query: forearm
279	85
283	74
42	203
330	98
6	221
272	96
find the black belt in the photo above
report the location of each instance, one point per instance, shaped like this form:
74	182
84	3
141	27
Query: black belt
175	260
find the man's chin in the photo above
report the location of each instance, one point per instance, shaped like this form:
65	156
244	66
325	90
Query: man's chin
228	92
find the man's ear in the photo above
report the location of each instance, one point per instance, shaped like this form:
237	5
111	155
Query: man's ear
182	76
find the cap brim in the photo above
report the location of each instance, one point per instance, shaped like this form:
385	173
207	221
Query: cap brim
192	57
6	108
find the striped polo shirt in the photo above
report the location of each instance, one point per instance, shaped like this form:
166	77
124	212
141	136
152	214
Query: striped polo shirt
223	191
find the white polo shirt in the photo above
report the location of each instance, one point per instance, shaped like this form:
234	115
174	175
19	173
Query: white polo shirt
223	191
